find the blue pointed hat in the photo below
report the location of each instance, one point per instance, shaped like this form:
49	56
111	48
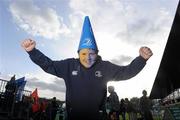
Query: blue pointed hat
87	37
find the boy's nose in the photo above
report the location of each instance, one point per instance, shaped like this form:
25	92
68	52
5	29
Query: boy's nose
87	57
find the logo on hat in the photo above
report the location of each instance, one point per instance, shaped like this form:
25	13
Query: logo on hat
87	42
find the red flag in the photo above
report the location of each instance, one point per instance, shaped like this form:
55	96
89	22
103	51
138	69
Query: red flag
35	106
34	94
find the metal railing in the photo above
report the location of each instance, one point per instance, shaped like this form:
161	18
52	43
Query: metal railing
4	99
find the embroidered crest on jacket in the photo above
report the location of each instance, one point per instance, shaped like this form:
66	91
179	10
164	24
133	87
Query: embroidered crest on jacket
98	74
74	72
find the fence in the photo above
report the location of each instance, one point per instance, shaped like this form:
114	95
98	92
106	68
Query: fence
2	85
7	100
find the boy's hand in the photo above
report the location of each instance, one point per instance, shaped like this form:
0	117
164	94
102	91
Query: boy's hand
28	44
145	52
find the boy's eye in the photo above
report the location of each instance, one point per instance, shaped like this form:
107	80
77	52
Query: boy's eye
92	53
83	53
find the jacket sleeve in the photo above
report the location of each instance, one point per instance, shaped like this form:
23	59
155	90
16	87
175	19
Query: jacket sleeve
56	68
116	72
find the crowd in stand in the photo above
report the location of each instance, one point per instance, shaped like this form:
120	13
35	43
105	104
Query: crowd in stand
31	108
27	110
136	109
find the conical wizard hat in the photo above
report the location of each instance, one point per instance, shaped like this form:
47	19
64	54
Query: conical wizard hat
87	37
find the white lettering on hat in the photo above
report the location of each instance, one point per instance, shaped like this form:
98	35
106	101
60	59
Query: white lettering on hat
98	74
87	42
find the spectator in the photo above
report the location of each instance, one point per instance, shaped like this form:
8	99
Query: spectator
54	108
145	106
122	109
9	94
114	103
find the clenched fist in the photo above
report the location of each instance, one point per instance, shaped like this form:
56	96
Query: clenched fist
145	52
28	44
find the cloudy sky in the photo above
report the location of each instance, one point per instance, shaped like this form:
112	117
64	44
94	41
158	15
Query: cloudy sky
120	27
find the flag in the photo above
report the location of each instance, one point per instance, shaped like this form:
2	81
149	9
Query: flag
35	96
20	84
35	105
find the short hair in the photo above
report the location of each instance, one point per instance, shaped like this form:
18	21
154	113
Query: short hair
111	88
144	91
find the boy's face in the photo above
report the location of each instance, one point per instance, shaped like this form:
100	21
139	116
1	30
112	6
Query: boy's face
87	57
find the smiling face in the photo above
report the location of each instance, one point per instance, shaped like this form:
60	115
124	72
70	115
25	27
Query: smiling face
87	57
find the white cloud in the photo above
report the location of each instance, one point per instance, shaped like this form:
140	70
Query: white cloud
44	22
5	77
48	85
125	21
84	6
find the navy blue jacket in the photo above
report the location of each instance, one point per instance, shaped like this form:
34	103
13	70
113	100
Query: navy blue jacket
86	88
